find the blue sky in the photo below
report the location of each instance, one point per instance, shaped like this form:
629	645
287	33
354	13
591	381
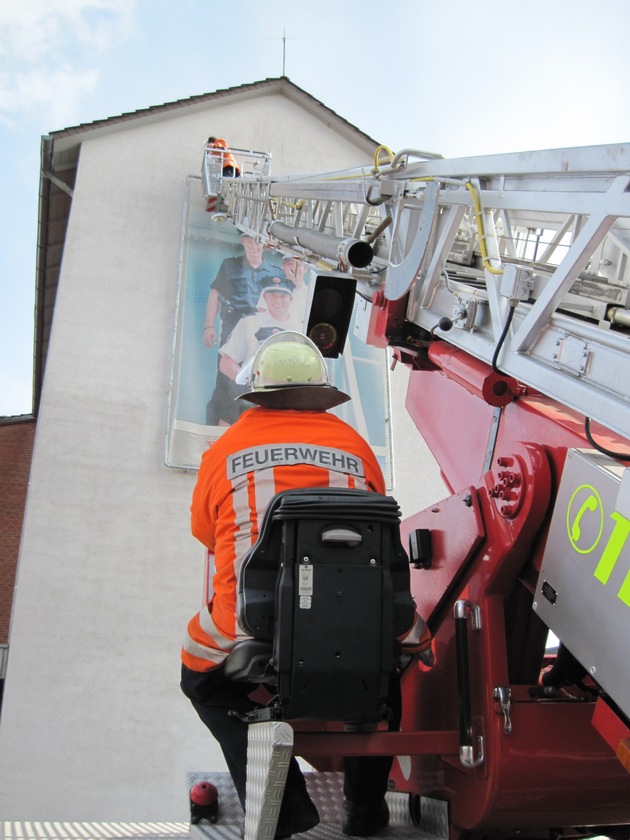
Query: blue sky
451	76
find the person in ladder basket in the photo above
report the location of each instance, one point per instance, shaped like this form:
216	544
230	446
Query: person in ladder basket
230	167
291	390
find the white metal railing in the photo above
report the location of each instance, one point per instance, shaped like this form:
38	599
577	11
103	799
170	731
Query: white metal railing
251	165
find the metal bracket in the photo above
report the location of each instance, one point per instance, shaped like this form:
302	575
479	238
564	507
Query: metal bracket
467	754
459	611
492	438
572	354
504	695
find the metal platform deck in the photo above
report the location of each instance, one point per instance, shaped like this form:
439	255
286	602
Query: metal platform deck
76	830
326	791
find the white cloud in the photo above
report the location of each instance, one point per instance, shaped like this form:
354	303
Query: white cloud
58	93
40	28
49	48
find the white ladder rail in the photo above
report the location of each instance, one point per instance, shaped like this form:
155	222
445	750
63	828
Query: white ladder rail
560	219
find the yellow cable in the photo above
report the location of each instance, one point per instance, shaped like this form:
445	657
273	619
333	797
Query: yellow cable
377	153
481	234
480	230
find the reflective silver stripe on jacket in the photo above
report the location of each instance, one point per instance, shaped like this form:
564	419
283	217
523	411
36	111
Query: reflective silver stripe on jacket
210	654
208	626
202	652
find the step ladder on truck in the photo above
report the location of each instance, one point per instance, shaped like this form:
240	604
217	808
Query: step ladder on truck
502	283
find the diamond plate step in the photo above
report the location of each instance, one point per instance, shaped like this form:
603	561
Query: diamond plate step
326	791
269	748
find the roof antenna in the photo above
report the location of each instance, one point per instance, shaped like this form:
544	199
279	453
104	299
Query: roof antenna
284	51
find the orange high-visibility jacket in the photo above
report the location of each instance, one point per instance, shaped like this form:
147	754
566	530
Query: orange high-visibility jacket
263	453
227	157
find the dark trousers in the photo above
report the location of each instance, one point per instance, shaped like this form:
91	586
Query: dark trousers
213	697
223	404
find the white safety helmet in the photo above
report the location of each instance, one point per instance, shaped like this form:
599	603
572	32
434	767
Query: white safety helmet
288	371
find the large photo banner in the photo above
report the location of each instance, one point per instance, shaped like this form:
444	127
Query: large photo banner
233	293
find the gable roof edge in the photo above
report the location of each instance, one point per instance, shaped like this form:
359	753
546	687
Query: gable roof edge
67	138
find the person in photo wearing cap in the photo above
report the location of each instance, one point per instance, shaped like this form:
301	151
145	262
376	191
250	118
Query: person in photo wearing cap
248	334
289	387
294	270
277	315
235	290
233	295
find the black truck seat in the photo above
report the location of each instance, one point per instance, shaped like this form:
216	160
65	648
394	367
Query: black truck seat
324	593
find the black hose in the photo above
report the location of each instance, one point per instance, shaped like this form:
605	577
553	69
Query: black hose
622	456
501	341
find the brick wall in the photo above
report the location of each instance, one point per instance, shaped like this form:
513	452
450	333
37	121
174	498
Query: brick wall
16	449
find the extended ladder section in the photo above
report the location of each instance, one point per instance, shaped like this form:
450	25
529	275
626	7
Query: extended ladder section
520	260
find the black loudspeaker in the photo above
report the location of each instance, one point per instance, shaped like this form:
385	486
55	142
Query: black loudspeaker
332	305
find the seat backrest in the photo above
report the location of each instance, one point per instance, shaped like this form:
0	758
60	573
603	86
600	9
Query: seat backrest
328	582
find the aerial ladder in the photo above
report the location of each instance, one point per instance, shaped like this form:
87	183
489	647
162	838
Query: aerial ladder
502	282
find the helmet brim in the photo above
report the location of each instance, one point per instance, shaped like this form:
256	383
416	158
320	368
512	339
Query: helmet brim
298	397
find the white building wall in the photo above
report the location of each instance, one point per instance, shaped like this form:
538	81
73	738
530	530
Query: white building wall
94	726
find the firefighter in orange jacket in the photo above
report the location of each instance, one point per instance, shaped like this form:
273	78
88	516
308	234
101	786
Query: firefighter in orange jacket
287	441
230	168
